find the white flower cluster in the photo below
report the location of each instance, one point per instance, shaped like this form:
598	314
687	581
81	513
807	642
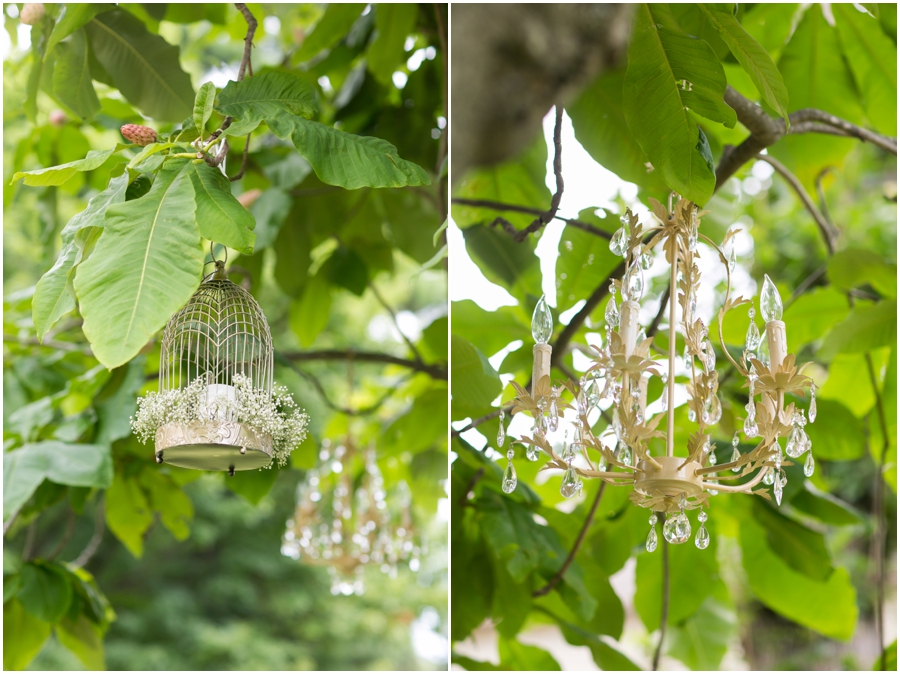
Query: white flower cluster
276	415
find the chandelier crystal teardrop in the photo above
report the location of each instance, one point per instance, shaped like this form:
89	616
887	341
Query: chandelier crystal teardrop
217	407
620	373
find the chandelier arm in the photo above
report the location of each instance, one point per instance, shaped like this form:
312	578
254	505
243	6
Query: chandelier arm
735	489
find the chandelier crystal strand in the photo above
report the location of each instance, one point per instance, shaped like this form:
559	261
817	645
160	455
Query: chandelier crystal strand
668	485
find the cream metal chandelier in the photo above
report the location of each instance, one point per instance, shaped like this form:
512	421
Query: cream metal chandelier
620	373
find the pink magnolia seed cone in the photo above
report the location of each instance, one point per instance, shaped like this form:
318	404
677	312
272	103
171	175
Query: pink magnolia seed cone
139	135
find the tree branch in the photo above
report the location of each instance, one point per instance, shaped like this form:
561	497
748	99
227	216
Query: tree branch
480	420
240	174
387	307
513	208
435	371
554	581
766	131
828	232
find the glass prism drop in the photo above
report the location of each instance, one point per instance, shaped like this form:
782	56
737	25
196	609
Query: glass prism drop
735	456
732	261
633	283
646	261
532	453
702	538
593	394
770	301
509	478
677	529
571	483
652	540
542	322
769	478
612	313
623	453
812	404
618	245
794	447
779	491
810	466
501	434
753	337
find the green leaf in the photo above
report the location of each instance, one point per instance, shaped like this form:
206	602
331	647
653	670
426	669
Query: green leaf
584	260
75	15
128	514
816	76
800	548
270	211
203	104
703	639
72	83
604	653
489	331
887	661
852	268
393	23
599	122
220	216
504	262
661	56
827	607
332	27
57	175
423	426
46	591
252	485
84	639
824	507
143	66
865	328
347	160
752	57
845	384
346	269
474	383
77	465
309	314
692	577
165	496
268	95
812	315
512	602
837	435
51	298
514	655
873	61
23	636
146	266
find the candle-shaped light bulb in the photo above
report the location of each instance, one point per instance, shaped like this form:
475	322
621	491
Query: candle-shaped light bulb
770	301
542	322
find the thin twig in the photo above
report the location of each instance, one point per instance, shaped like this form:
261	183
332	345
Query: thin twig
240	174
828	233
12	518
349	411
513	208
94	543
664	612
480	420
557	577
387	307
435	371
67	535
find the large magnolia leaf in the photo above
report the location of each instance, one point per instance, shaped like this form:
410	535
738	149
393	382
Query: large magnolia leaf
393	23
145	267
752	57
78	465
143	66
865	328
474	383
203	104
23	635
670	72
600	127
57	175
268	94
51	299
220	216
347	160
74	16
873	61
72	83
334	25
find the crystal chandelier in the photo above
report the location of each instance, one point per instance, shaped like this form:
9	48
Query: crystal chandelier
346	520
620	373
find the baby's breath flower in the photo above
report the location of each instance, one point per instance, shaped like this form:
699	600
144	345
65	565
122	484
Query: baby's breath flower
265	414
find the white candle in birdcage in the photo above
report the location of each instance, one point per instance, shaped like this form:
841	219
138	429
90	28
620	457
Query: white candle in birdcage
214	391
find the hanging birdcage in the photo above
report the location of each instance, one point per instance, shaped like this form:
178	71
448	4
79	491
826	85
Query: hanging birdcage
217	408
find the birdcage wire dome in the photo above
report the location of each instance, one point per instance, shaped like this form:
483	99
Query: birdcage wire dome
219	333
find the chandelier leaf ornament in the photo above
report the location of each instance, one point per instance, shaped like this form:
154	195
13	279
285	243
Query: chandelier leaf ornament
346	519
217	407
620	371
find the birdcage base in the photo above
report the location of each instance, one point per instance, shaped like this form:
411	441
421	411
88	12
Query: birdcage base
214	445
673	478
